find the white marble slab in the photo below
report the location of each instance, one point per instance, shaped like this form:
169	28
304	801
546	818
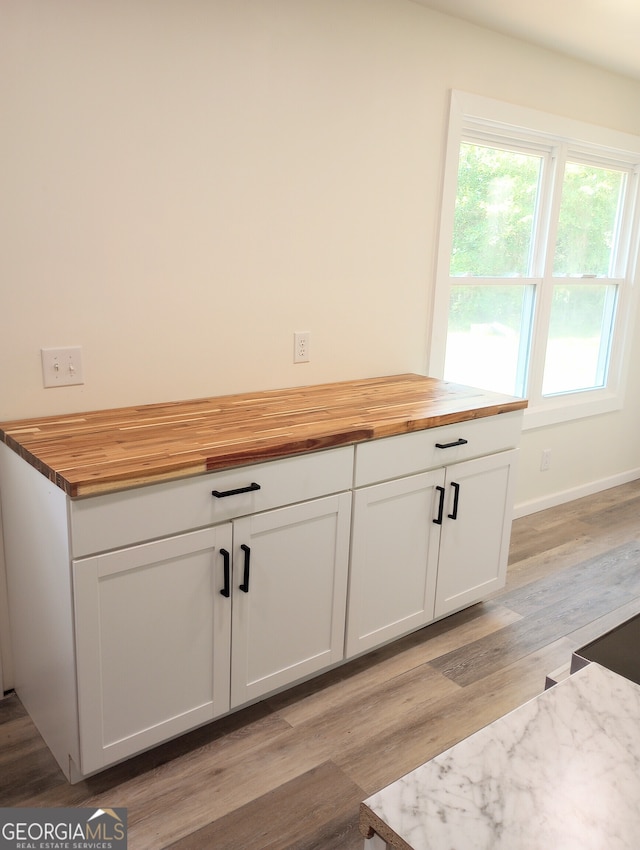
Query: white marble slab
562	772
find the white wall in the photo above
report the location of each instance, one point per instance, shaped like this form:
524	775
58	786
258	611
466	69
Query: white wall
186	182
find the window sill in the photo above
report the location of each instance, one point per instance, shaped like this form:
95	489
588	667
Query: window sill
569	408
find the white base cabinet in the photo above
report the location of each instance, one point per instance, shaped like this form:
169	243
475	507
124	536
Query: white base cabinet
127	637
429	543
174	633
138	615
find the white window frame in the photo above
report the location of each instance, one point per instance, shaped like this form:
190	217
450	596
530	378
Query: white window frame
555	138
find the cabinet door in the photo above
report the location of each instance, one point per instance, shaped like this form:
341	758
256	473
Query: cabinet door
288	616
474	545
394	559
152	643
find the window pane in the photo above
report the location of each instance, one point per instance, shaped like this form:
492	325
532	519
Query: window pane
579	338
588	220
488	337
494	213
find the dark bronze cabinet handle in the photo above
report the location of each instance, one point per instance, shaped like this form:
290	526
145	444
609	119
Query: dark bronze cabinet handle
221	494
438	520
455	443
456	494
247	558
226	591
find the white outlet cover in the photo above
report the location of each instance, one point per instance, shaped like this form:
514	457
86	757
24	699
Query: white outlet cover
301	342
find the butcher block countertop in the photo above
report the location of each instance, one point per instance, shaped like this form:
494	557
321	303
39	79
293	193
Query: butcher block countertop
107	450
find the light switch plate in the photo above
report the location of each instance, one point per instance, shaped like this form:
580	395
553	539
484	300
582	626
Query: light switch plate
62	367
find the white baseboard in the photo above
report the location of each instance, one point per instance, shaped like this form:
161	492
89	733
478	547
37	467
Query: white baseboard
559	498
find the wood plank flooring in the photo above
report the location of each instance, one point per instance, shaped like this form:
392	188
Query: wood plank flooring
289	773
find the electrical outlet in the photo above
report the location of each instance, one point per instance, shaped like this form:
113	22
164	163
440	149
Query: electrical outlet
62	367
301	346
545	460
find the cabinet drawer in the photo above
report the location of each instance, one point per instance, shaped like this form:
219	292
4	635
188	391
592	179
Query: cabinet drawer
100	523
394	457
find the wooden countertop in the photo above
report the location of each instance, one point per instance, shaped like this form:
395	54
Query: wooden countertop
107	450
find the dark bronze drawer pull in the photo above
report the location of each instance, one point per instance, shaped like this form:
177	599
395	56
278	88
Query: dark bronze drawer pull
459	442
220	494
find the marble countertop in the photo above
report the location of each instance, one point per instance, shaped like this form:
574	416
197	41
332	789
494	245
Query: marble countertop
561	771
